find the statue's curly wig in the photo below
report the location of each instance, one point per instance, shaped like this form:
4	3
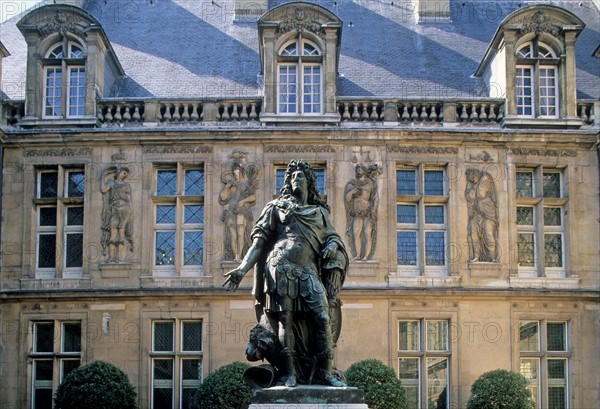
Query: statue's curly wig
314	198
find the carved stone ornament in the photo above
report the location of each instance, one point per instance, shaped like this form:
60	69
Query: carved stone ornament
422	149
481	157
299	20
482	206
543	152
61	24
238	197
361	200
299	149
117	210
538	23
177	149
58	152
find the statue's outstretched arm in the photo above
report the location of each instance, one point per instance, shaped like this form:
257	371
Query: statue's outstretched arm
234	277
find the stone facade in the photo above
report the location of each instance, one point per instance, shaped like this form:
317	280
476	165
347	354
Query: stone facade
413	304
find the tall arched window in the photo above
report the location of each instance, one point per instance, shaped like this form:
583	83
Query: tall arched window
64	81
300	78
537	80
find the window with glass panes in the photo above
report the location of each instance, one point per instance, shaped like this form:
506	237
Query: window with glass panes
176	362
300	78
424	361
319	172
544	361
55	352
179	220
64	80
59	202
537	80
540	215
421	219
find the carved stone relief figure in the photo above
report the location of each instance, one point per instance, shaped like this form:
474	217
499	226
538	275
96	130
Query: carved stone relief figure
361	200
482	227
117	213
238	198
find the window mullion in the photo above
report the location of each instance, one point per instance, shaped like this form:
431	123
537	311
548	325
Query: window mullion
178	237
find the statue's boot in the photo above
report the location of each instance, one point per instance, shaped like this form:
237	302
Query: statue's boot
291	380
326	365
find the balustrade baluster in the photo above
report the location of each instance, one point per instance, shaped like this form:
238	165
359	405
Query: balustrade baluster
185	115
405	115
355	115
118	117
473	117
194	116
127	115
346	111
463	113
492	115
482	115
253	114
136	113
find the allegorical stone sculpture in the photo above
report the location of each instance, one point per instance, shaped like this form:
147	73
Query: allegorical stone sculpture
482	227
301	264
361	200
117	213
238	198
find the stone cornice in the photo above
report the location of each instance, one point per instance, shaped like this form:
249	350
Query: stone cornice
543	152
161	149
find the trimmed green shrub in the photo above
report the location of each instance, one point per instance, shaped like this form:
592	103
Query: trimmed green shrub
97	385
378	382
225	388
500	389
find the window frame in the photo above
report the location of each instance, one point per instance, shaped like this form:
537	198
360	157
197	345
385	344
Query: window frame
66	64
300	61
180	199
422	200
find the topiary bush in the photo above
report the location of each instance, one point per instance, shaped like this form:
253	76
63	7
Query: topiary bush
500	389
378	382
225	388
97	385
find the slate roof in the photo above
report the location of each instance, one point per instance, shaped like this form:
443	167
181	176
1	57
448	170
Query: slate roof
193	48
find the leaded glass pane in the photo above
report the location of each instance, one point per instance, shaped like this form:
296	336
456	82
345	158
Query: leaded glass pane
553	250
162	398
76	52
406	214
526	250
47	216
434	214
406	182
47	251
165	248
48	184
437	383
407	248
409	377
530	370
290	50
309	49
43	370
524	85
74	251
552	184
557	336
279	179
194	182
434	182
288	93
191	336
163	336
193	214
552	216
56	53
166	182
529	340
191	369
43	398
187	398
75	184
435	249
556	397
408	336
525	216
524	184
163	369
166	214
312	89
320	173
44	337
193	243
437	335
75	216
557	383
525	51
71	337
68	366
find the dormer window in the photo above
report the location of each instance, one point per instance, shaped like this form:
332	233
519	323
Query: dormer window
300	78
64	75
537	80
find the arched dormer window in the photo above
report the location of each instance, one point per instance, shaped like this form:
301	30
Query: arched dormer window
64	81
300	78
537	80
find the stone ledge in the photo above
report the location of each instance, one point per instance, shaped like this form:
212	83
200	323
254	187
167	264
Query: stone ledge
282	397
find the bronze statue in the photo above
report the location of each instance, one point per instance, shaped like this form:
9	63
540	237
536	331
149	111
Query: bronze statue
482	227
301	265
237	198
117	215
361	200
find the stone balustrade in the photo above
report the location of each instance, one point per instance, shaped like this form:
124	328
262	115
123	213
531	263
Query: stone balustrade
239	111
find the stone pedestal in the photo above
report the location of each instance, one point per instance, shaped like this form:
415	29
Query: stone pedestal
308	397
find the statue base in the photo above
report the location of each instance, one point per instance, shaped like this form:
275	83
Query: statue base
308	397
